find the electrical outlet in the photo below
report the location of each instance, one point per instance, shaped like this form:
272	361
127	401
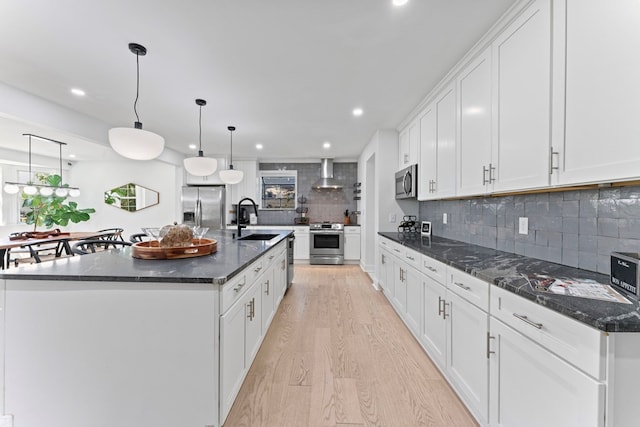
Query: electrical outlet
392	217
444	218
523	225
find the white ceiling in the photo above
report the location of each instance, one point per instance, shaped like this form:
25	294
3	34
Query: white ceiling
286	73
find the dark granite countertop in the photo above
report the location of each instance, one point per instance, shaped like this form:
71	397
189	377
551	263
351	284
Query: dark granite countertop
117	265
511	272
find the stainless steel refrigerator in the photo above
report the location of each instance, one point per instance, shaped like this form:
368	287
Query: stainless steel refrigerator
204	206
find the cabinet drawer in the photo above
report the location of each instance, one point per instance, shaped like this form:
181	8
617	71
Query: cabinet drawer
578	344
474	290
270	257
232	291
412	258
434	269
254	270
352	230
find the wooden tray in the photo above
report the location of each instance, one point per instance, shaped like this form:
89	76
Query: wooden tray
152	250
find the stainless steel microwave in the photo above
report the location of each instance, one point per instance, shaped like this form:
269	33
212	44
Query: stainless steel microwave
407	182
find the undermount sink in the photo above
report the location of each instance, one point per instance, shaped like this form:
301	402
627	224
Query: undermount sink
258	236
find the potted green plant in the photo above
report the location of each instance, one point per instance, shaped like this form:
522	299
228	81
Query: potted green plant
53	209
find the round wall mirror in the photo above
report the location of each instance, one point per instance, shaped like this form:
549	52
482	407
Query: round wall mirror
131	197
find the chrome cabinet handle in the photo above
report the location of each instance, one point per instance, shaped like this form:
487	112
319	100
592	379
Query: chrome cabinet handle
484	175
440	310
267	290
526	320
551	154
240	285
411	258
492	169
430	268
257	269
442	307
462	285
489	351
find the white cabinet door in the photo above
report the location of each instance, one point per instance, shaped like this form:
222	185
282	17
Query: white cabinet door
437	167
434	327
253	327
467	362
280	278
248	186
385	271
400	288
522	96
413	283
602	92
531	387
352	243
301	243
428	165
268	286
232	350
474	95
408	146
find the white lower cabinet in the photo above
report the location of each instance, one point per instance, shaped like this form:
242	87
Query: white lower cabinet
249	303
434	328
385	271
531	387
301	244
352	243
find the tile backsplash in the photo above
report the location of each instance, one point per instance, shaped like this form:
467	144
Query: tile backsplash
578	228
324	205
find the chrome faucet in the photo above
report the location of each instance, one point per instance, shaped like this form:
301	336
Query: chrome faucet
255	209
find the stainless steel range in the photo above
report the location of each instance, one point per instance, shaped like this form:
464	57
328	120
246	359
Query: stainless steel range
326	243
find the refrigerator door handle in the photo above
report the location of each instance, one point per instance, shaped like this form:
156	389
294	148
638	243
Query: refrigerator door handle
198	213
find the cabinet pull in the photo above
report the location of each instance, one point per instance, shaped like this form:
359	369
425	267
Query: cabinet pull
249	314
271	257
525	319
462	285
257	270
410	257
434	188
267	290
240	285
253	308
484	175
551	154
430	268
492	169
396	250
382	258
489	338
442	307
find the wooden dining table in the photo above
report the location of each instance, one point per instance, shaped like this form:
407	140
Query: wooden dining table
7	244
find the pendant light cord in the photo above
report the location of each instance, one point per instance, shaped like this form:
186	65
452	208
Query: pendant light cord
200	129
60	185
30	177
231	152
135	103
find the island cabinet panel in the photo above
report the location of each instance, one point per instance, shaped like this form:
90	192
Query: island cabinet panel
106	354
232	350
531	387
601	69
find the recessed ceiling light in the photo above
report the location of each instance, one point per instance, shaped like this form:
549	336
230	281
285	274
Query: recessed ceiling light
326	145
357	112
78	92
259	146
399	2
72	156
192	146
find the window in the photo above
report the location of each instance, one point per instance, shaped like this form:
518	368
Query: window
278	189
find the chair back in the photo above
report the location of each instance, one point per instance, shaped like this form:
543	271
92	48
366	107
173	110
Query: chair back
90	246
112	234
137	237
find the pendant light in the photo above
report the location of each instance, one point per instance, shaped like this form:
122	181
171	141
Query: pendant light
200	165
136	143
231	175
46	190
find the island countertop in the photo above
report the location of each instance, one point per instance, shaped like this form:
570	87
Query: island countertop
117	265
512	272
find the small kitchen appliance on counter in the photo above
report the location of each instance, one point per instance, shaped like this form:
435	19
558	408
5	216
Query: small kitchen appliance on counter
409	224
625	274
425	228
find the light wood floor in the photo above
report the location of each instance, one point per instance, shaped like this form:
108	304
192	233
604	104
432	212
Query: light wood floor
338	355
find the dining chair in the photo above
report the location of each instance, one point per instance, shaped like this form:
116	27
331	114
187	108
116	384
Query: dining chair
90	246
138	237
112	234
38	252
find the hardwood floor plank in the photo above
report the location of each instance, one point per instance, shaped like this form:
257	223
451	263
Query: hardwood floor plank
337	354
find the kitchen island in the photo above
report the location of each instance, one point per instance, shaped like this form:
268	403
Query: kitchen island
106	339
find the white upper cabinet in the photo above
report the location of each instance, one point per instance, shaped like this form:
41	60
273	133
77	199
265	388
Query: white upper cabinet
475	169
408	146
522	101
437	146
248	186
602	91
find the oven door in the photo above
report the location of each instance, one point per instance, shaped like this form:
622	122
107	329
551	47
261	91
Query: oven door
326	242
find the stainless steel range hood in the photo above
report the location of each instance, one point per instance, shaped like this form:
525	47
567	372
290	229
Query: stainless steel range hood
326	181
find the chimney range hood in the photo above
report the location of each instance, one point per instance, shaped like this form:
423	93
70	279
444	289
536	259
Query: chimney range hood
326	181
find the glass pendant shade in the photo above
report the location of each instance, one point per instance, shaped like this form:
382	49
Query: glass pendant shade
46	191
74	192
200	165
11	189
61	192
136	144
231	176
30	190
